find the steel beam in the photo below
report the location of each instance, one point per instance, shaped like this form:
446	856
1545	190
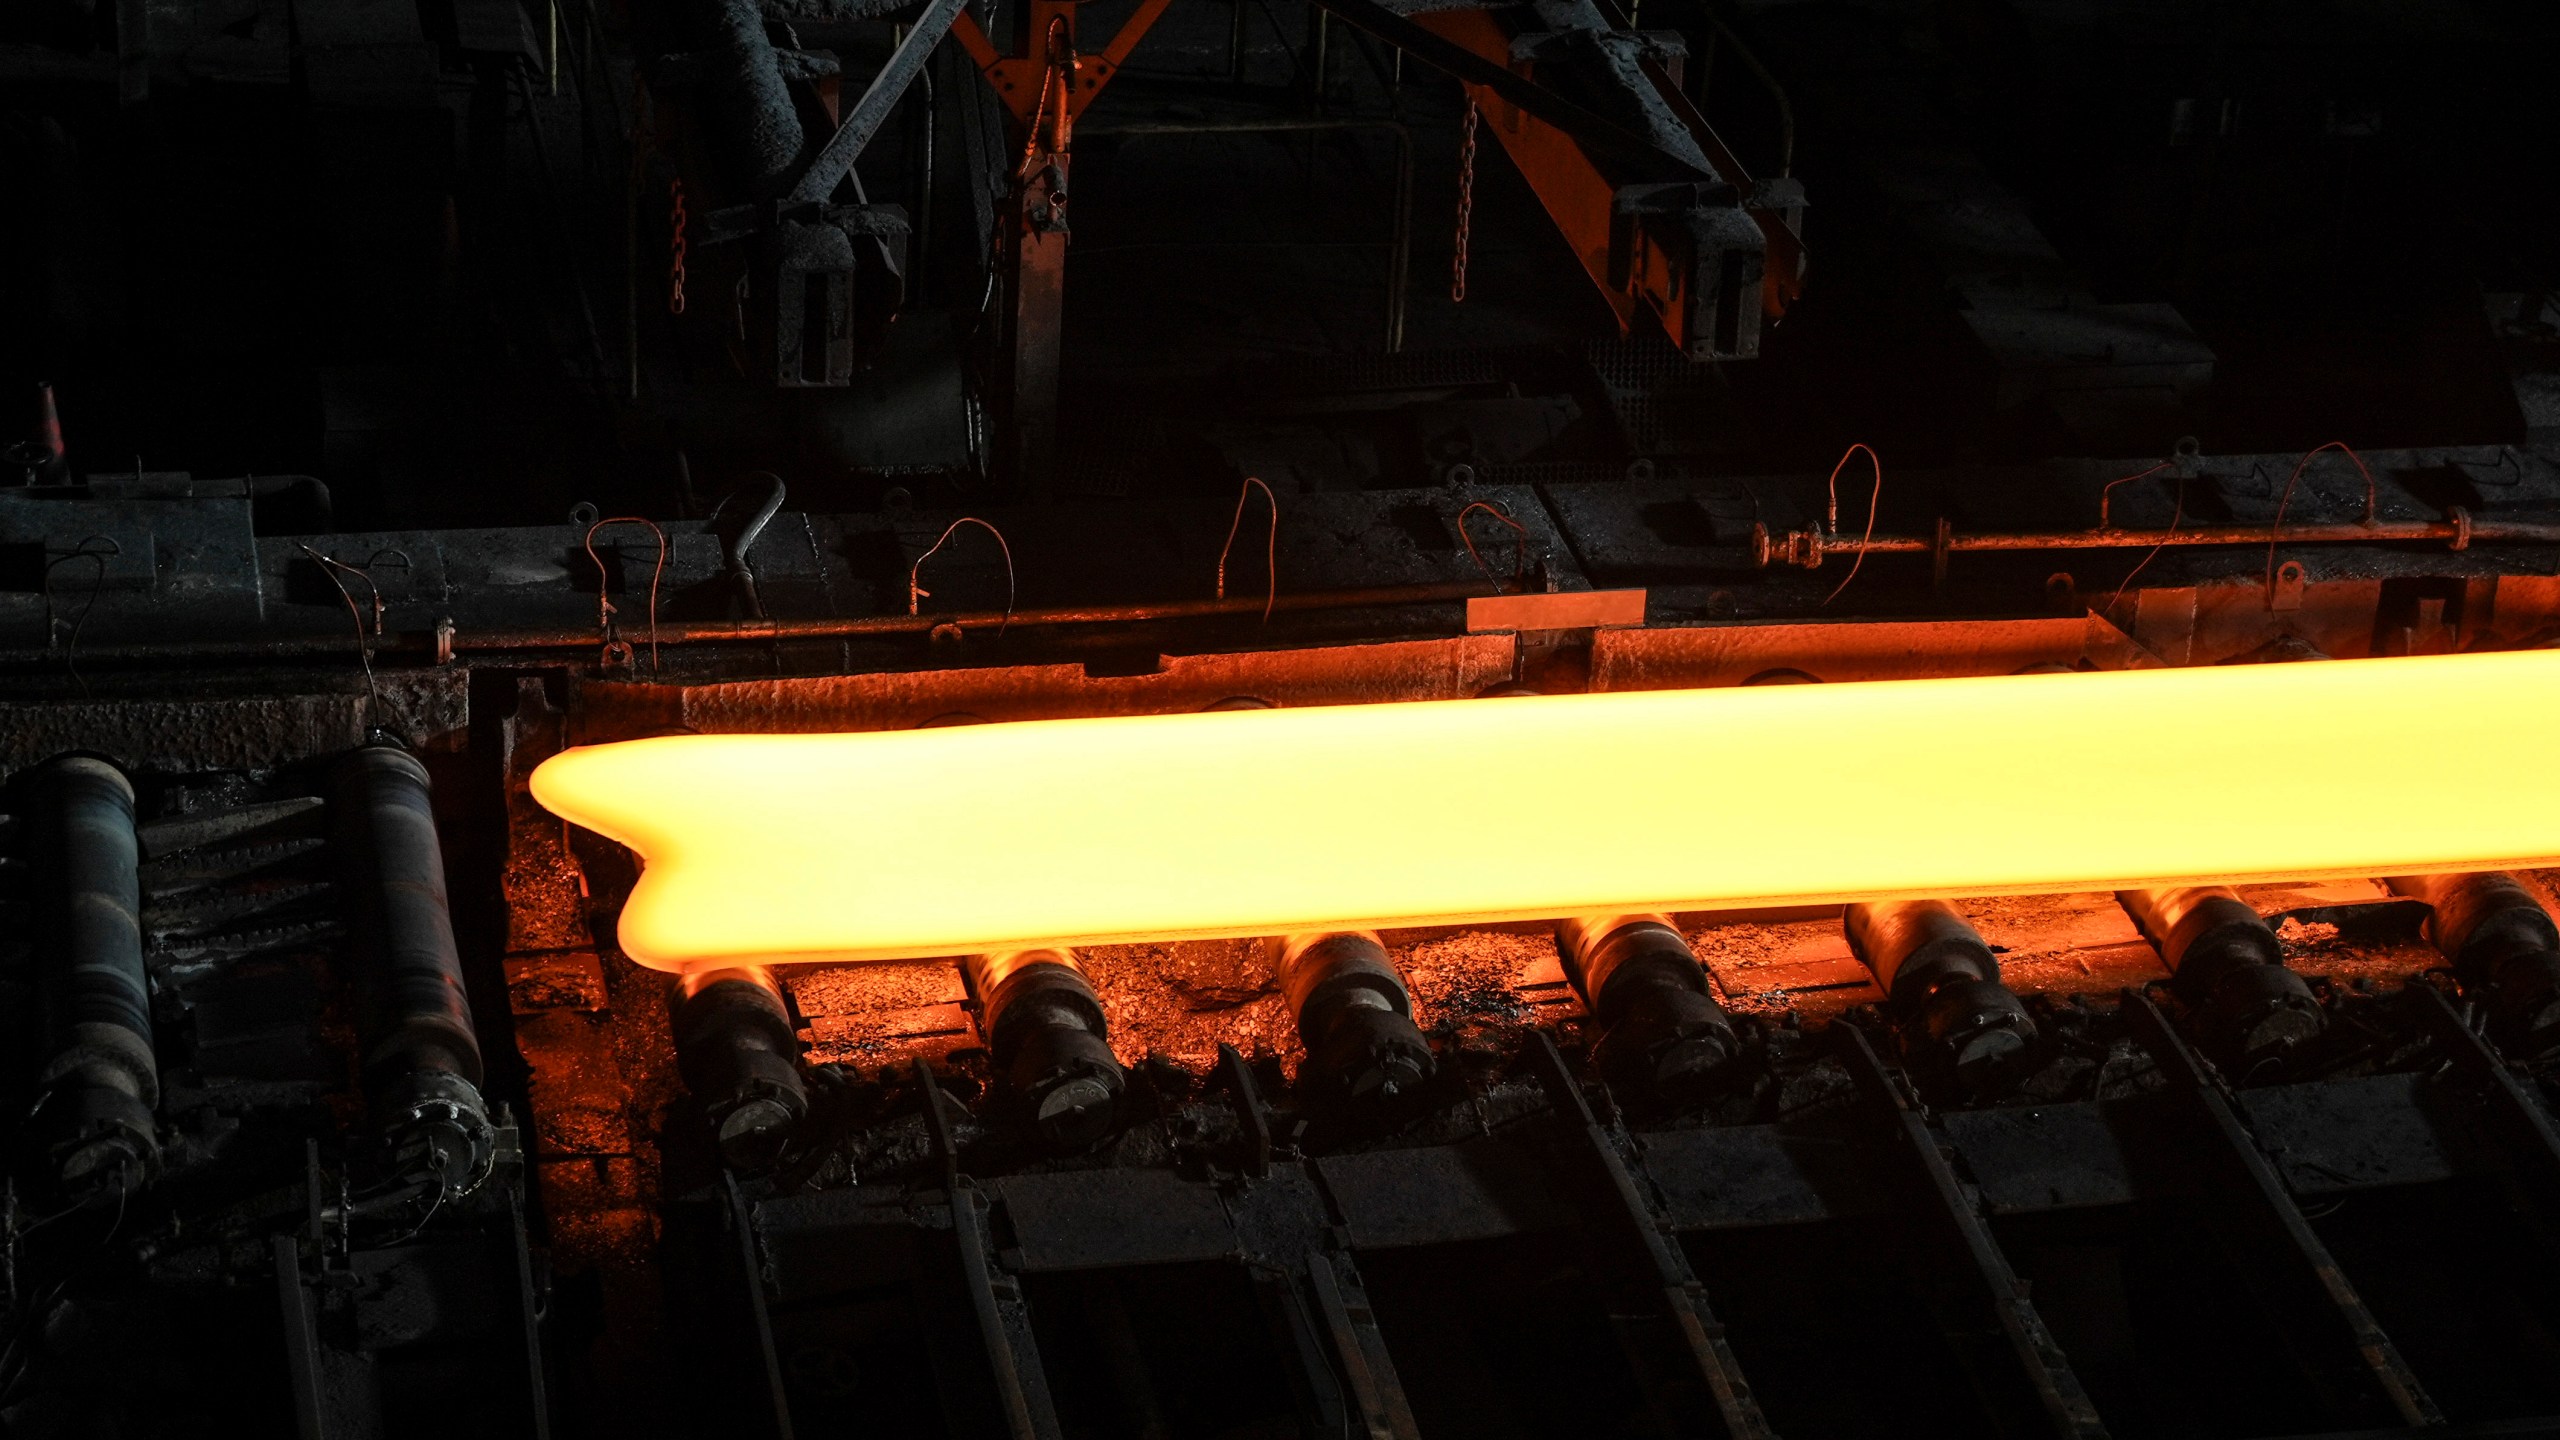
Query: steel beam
2350	1362
1951	1230
1634	1239
1665	220
1044	82
864	120
1021	1387
742	1226
2524	1128
1290	1231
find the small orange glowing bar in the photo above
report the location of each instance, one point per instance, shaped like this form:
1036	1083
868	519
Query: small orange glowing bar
968	839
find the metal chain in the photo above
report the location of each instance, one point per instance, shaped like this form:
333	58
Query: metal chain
1466	204
675	247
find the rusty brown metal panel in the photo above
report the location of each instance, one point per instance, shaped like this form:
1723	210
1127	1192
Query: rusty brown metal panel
2524	610
429	707
1452	668
1708	655
1563	610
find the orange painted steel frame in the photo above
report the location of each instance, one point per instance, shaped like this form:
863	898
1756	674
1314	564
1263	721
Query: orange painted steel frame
1044	83
769	848
1581	198
1019	79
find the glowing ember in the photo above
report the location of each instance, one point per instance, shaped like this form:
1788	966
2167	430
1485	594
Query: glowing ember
1250	822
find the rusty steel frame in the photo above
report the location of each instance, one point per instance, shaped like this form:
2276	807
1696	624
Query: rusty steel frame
1044	83
2459	531
1449	668
1592	174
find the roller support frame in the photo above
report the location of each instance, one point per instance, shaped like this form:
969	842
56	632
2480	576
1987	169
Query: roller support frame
2226	966
100	1081
419	1052
1046	1035
2505	950
1354	1016
740	1057
1956	1022
1661	1031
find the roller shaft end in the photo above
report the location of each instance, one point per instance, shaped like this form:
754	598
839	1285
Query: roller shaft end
1661	1030
1045	1031
2227	967
2505	950
740	1058
1955	1019
1354	1016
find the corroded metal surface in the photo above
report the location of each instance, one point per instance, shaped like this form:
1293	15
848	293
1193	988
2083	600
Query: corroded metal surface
1450	668
244	732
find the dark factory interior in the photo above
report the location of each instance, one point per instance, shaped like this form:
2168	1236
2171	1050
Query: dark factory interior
1907	636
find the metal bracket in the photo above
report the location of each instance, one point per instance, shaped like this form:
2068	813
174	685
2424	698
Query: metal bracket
2290	583
863	121
1559	610
2366	1378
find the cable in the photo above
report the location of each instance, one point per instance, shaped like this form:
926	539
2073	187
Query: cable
2177	513
604	605
2105	494
915	588
364	653
363	572
1875	498
1271	552
1831	514
2277	527
1519	543
97	582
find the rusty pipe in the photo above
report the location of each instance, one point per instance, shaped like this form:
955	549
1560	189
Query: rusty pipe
1809	547
2227	967
425	644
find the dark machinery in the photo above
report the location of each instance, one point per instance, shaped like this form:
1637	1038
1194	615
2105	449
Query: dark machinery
1353	1014
420	1056
1045	1034
1958	1022
734	1038
101	1078
1659	1026
2226	965
2500	938
396	395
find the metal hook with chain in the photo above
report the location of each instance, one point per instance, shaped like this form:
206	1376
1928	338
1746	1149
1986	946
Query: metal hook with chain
1466	203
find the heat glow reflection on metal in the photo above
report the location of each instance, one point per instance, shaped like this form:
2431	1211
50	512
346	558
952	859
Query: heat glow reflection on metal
776	848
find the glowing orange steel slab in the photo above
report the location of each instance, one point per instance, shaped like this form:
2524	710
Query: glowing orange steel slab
984	837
